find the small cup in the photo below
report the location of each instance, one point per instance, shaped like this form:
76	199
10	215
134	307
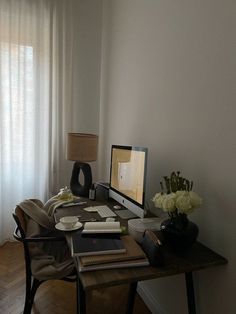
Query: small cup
69	221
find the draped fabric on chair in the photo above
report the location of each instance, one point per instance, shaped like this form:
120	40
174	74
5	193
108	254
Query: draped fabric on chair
46	254
36	63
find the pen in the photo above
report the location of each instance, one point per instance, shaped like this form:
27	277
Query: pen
73	204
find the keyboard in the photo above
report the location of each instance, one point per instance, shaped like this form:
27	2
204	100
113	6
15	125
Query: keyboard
104	211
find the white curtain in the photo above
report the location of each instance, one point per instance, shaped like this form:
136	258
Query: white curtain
36	63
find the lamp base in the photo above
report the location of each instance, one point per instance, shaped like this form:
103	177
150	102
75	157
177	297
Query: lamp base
76	187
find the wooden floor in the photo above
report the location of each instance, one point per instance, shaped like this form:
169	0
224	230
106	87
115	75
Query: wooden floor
53	297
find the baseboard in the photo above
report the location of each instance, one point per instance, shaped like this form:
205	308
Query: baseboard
149	300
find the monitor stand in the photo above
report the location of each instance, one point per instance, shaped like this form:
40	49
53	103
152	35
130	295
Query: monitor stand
125	214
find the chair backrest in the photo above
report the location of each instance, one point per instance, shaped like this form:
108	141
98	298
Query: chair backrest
20	220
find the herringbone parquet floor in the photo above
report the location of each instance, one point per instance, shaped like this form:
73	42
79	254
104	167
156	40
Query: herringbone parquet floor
53	297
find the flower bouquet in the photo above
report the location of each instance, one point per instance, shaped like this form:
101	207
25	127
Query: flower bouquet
178	200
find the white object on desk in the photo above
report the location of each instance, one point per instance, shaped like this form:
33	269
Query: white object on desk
91	209
61	227
137	226
102	227
110	219
69	221
103	210
117	207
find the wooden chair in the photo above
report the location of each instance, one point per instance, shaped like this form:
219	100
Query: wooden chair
32	282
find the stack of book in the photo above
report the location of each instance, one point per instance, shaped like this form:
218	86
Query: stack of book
94	253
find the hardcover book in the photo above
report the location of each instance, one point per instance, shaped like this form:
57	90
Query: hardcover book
112	265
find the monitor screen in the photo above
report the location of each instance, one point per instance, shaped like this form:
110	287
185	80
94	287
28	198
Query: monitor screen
127	176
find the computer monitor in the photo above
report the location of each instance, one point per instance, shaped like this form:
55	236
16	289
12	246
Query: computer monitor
128	177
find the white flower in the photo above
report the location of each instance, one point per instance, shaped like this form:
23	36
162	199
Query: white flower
158	199
181	193
183	204
180	202
195	199
168	203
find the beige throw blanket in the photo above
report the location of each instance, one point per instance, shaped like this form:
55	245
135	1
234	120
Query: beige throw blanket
52	204
51	259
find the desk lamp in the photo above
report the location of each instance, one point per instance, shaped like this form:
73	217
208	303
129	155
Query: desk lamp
81	148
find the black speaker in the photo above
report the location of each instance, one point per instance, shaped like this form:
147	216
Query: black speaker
102	191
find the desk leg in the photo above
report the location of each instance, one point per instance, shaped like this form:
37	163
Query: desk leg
190	293
81	298
131	298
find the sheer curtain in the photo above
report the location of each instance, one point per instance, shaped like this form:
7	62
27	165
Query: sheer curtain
36	62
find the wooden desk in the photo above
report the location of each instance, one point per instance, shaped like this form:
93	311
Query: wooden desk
197	258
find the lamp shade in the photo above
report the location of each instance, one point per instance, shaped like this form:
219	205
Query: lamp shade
82	147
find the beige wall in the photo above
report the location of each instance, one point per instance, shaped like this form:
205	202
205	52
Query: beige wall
86	81
87	68
168	83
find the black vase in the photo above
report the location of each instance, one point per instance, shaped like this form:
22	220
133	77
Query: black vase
179	233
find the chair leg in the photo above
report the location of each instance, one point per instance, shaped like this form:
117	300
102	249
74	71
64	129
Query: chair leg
30	294
77	296
81	298
36	284
27	293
